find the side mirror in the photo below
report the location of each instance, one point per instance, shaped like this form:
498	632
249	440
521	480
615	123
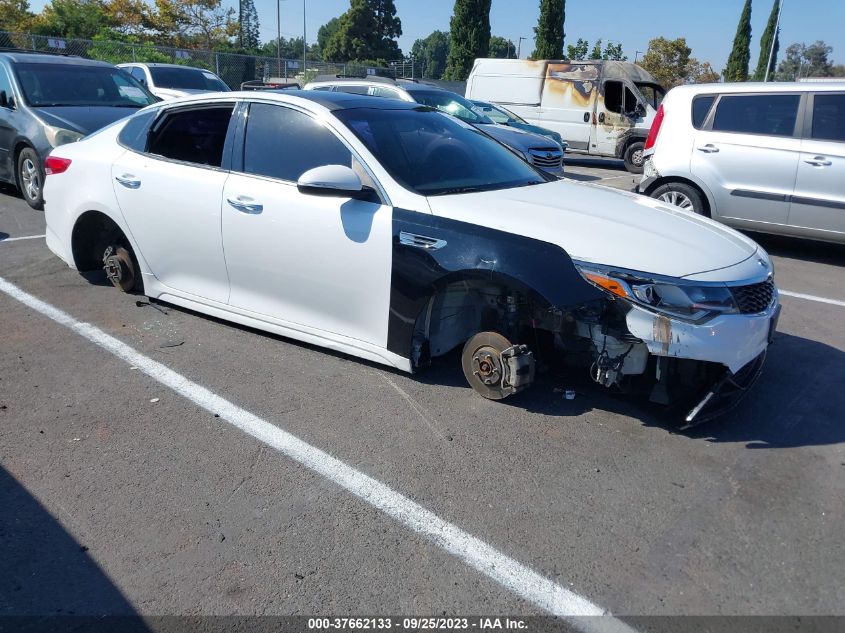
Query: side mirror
4	99
336	181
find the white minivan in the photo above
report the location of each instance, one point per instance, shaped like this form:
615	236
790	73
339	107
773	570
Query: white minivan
760	157
600	108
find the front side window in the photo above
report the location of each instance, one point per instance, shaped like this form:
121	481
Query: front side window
186	79
614	100
763	114
138	73
284	143
430	153
194	135
652	93
829	117
5	85
47	85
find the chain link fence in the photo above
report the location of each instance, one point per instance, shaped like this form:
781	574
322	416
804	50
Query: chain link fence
232	68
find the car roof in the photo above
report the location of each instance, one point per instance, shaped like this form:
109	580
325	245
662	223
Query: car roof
49	58
329	100
162	65
763	87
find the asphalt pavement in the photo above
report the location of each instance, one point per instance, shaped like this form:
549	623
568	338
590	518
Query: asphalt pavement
121	493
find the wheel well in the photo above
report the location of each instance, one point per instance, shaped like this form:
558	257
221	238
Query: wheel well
92	233
627	142
462	308
670	179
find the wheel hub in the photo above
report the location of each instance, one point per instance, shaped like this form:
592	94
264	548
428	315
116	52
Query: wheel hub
118	267
29	176
487	365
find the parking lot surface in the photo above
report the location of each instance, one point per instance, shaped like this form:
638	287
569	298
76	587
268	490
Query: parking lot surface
121	495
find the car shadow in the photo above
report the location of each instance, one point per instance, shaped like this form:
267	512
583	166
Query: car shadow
797	401
598	163
790	406
580	177
48	579
3	236
796	248
10	190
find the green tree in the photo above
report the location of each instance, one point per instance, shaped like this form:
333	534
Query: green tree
325	33
200	23
15	16
614	52
578	51
469	37
128	17
737	68
431	53
671	63
806	61
549	33
72	18
288	48
366	31
501	47
248	26
596	52
769	36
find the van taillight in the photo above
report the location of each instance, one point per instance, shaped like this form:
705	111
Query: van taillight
55	165
655	128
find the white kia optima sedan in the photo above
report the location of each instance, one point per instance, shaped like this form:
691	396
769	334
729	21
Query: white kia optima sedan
396	233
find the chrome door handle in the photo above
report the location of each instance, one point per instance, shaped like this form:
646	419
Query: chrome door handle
128	180
708	149
819	161
245	204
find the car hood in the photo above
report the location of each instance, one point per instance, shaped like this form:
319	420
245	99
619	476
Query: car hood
515	138
536	129
605	226
82	119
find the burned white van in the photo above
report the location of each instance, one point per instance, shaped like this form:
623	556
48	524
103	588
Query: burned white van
601	108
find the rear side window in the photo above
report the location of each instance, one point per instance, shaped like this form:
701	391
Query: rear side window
829	117
195	135
284	143
764	114
134	133
700	108
355	90
387	93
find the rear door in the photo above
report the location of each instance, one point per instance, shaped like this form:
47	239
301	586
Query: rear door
747	155
568	103
170	196
818	204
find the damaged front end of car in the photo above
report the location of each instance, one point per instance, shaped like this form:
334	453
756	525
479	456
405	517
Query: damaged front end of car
684	343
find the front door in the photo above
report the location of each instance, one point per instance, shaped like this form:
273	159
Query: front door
616	114
170	197
315	262
818	204
748	157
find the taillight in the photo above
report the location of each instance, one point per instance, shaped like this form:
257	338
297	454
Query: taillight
655	128
56	165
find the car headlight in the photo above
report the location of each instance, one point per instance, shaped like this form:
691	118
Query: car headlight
689	301
60	136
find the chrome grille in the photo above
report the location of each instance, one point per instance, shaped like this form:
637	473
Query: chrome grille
546	158
755	297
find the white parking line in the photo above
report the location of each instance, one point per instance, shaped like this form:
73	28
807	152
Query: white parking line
508	572
798	295
25	237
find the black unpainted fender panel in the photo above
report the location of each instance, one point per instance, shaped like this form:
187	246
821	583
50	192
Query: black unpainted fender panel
472	252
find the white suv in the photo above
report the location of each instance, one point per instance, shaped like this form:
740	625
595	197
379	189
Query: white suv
761	157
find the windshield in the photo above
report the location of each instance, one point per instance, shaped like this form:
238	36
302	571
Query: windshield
47	85
450	103
497	113
186	79
652	93
433	154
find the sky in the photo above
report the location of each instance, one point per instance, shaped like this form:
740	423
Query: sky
708	25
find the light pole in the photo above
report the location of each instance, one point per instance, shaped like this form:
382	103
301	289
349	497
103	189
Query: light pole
774	39
279	38
304	42
519	47
637	56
